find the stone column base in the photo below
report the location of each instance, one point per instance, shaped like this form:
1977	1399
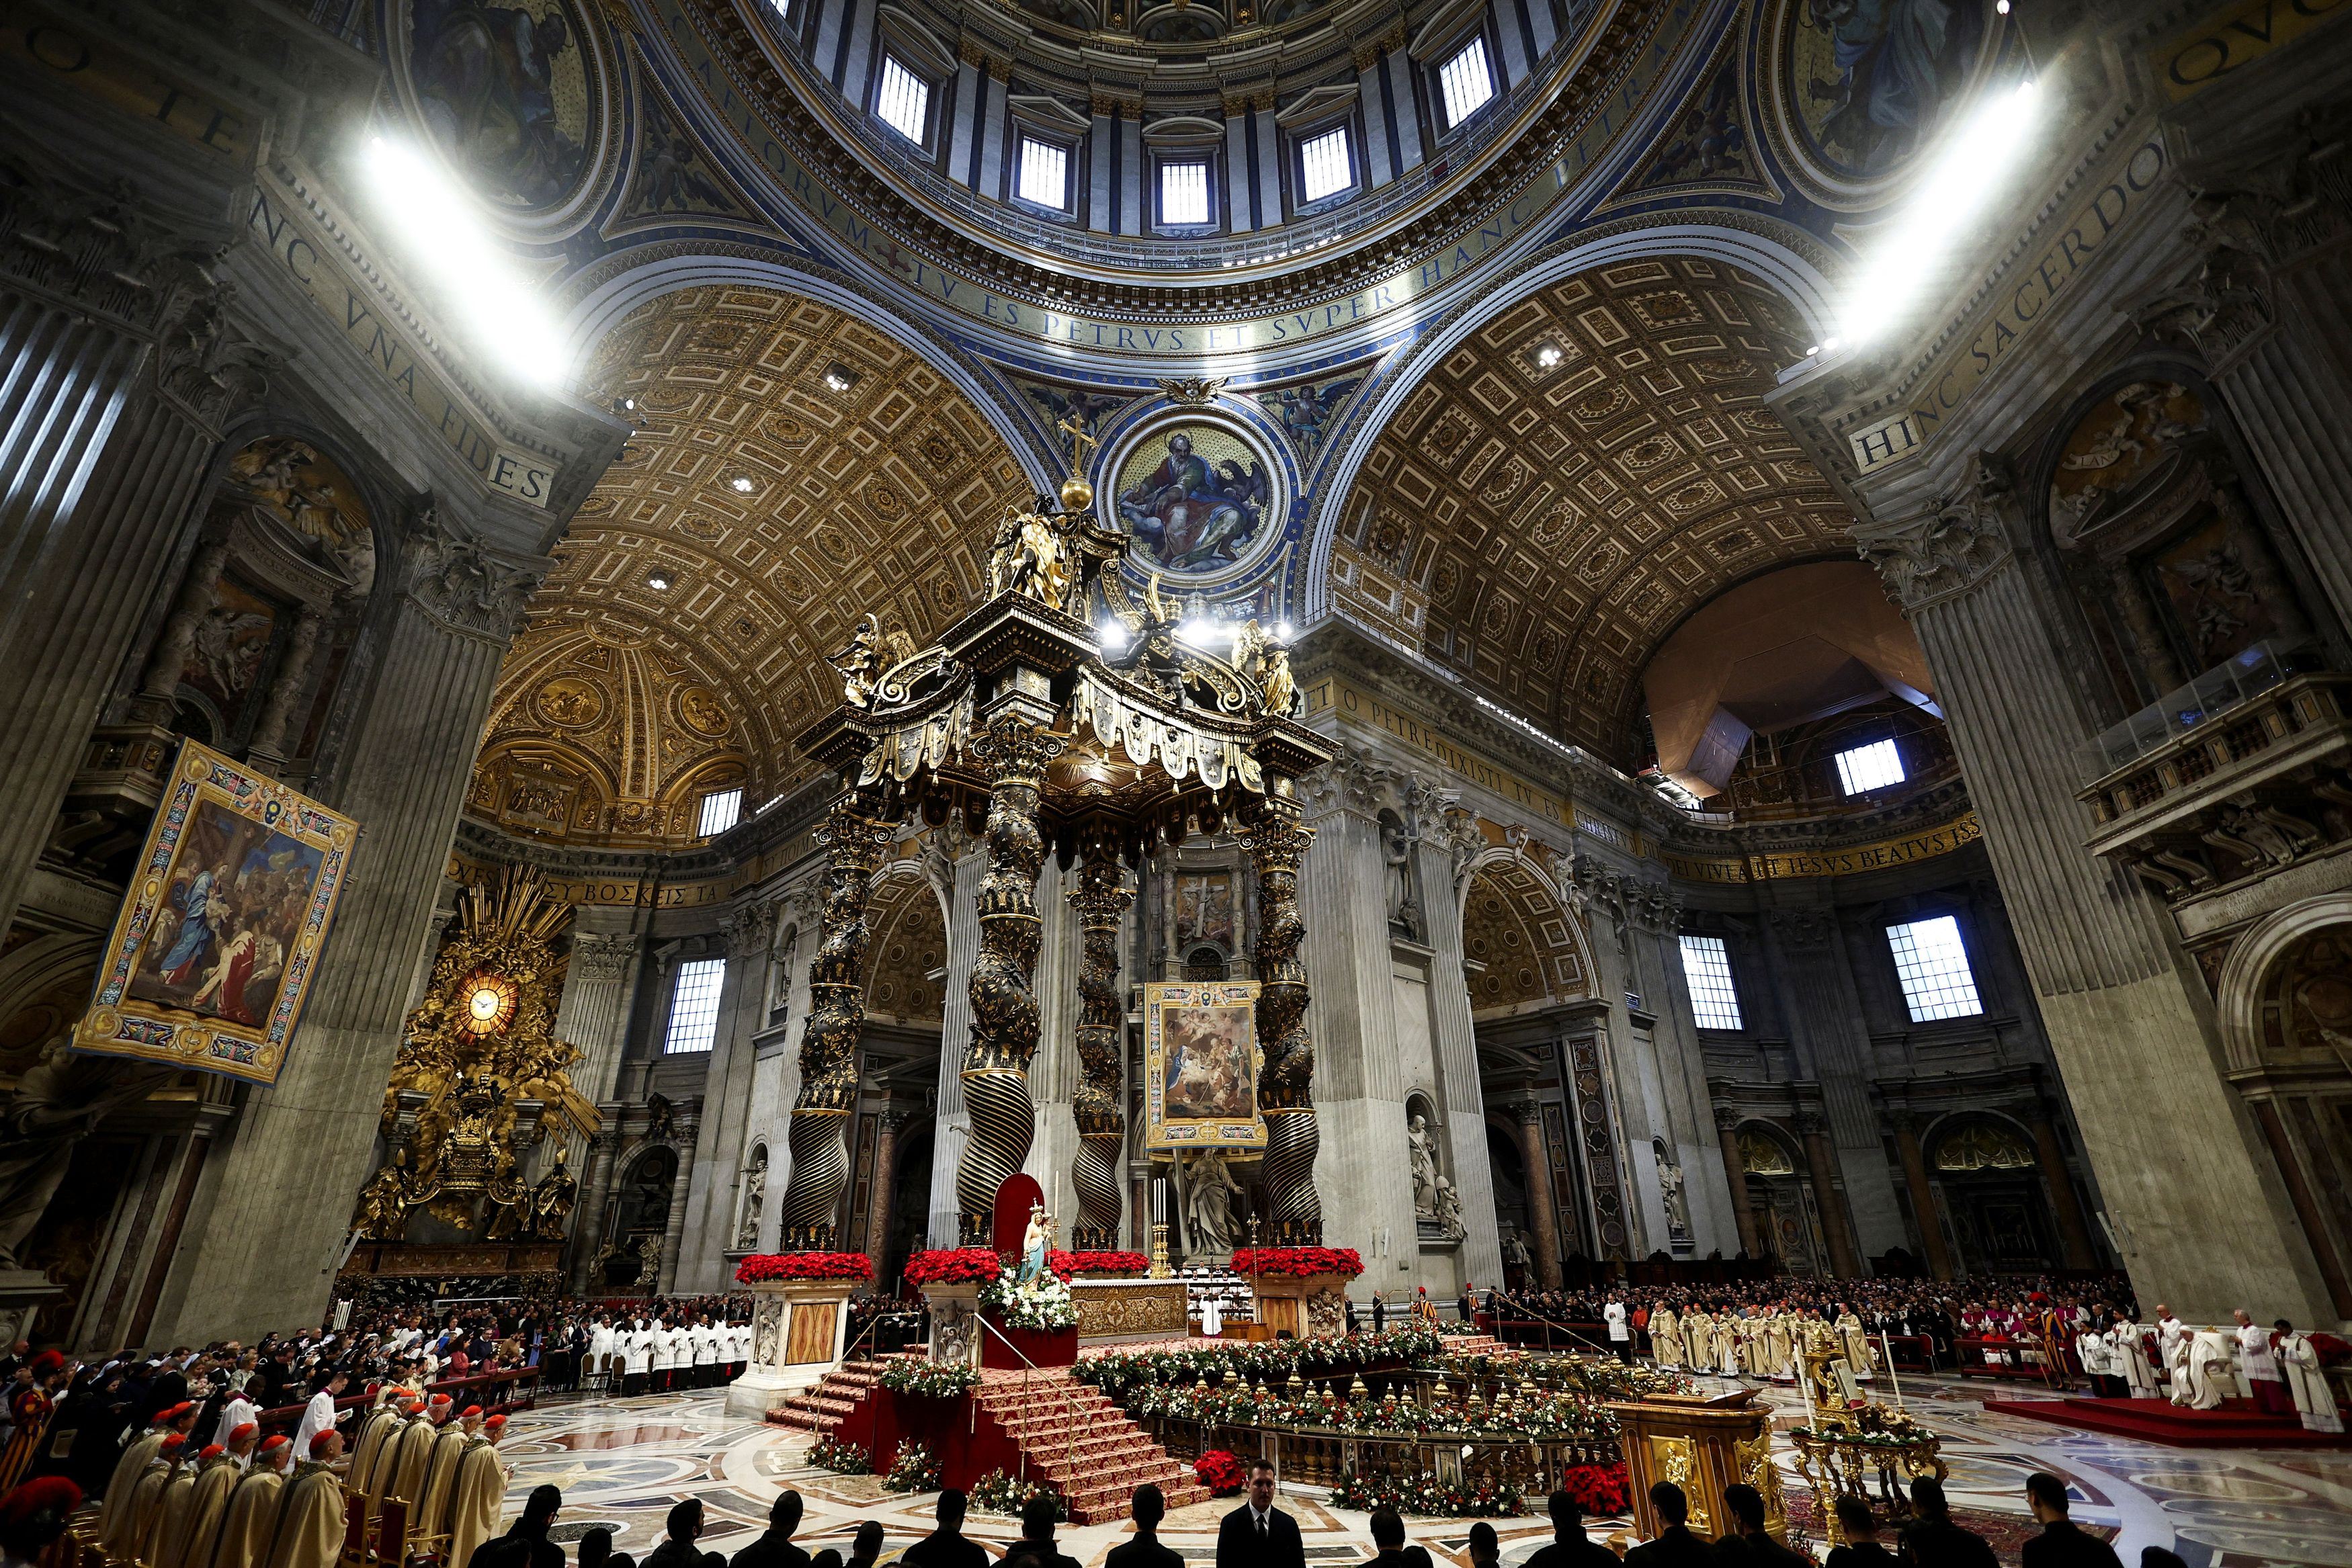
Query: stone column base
797	1328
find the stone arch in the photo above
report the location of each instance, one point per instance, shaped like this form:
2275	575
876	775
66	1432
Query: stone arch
907	944
598	311
1547	483
2284	997
1515	923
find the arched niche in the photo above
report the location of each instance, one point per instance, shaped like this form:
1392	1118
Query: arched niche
2285	998
1991	1189
1781	1199
1525	952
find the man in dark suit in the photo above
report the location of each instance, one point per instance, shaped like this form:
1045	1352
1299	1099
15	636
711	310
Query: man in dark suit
2060	1543
1148	1507
1387	1538
1749	1541
1257	1535
774	1548
1932	1541
1676	1546
1571	1547
946	1546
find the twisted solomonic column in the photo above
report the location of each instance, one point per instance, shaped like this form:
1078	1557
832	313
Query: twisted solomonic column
1100	899
995	1071
1278	842
818	1138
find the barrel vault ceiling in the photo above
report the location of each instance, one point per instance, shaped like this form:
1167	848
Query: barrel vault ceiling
1576	477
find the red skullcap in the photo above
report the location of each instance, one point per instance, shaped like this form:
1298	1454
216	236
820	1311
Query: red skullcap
172	1444
272	1444
183	1407
441	1399
241	1431
211	1451
319	1440
469	1412
494	1422
53	1495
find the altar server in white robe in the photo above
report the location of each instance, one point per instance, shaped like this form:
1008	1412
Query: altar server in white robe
637	1358
2315	1398
600	1355
705	1339
665	1362
738	1348
2260	1368
2130	1353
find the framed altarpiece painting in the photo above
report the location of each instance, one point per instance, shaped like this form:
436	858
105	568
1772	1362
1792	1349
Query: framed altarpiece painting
1200	1066
218	942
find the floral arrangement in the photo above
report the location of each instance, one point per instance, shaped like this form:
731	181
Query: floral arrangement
1538	1415
1424	1494
1276	1359
1067	1264
954	1266
913	1469
1602	1491
762	1266
930	1379
1220	1472
1301	1260
997	1492
1042	1304
843	1459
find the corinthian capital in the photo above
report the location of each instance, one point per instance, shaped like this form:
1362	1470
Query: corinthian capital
599	956
1945	552
455	579
747	929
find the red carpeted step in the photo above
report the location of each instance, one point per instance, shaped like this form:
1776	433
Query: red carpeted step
2237	1425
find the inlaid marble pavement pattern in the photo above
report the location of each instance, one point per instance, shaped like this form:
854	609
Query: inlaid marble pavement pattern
622	1463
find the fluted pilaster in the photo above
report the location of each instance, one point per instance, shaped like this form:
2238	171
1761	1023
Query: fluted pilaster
275	1224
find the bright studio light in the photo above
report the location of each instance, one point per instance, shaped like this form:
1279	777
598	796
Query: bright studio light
480	280
1113	636
1975	161
1201	631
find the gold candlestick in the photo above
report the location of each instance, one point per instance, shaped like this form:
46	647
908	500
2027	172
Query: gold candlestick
1160	1268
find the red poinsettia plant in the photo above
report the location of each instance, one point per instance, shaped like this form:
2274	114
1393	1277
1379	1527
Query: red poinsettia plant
1600	1489
762	1266
1071	1264
1220	1472
1301	1260
954	1266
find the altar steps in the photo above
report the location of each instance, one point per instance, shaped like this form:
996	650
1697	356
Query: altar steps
820	1409
1071	1436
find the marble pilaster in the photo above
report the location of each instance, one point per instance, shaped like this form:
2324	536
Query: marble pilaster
1454	1047
953	1126
1825	1016
708	1224
282	1195
2191	1197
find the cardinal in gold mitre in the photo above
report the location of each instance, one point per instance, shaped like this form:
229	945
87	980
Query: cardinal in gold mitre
311	1526
250	1521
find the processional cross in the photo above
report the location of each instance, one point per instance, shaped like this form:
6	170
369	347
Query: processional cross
1075	427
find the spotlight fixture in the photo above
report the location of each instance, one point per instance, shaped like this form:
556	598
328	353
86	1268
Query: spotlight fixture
1282	633
1548	356
840	377
658	582
1113	636
741	484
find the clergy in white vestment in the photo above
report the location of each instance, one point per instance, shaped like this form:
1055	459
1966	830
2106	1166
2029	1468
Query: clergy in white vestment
237	1411
2260	1368
319	1413
739	1347
598	1355
636	1358
2170	1331
2315	1398
1213	1317
2130	1355
2204	1370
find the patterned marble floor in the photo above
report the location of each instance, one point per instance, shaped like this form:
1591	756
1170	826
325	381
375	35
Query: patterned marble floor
622	1462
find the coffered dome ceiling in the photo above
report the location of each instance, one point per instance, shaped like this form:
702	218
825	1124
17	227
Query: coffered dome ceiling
1540	526
680	639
